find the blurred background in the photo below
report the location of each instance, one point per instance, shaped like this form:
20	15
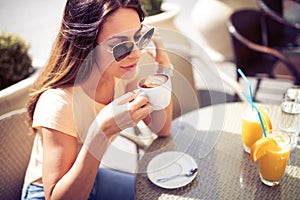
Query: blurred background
203	22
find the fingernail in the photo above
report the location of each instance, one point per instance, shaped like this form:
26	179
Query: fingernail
136	91
151	109
141	94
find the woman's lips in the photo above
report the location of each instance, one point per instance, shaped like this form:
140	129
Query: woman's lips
129	68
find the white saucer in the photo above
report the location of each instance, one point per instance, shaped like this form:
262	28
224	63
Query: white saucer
169	164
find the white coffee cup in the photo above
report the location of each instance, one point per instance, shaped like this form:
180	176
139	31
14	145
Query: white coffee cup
158	89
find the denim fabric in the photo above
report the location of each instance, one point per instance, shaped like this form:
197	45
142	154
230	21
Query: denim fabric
108	185
114	185
33	192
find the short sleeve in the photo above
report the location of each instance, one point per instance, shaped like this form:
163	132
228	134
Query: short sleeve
54	110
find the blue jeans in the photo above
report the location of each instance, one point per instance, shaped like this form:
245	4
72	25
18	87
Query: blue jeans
109	184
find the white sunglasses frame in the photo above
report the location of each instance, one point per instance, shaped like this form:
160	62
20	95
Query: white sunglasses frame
121	57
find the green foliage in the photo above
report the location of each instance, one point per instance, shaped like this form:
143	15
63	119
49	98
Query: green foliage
15	62
151	7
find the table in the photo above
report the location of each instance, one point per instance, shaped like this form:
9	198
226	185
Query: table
211	135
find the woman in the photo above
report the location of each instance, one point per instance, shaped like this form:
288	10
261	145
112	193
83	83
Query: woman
75	108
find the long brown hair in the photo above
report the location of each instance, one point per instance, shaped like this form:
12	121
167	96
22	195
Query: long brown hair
81	23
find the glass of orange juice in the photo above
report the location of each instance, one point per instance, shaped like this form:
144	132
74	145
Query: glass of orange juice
251	127
273	154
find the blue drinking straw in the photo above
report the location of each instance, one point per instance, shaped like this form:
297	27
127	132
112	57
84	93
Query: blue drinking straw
259	115
250	100
249	85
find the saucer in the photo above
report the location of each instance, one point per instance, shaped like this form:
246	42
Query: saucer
169	164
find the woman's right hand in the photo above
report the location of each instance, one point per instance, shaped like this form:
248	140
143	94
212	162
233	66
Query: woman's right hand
124	112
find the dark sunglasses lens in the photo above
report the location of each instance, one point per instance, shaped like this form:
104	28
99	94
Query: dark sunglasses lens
122	50
146	38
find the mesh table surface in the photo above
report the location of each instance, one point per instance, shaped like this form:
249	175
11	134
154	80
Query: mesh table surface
225	170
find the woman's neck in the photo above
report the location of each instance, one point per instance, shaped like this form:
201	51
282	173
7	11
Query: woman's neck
99	87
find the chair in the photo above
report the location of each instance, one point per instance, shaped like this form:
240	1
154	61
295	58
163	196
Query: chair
208	18
255	59
280	27
16	143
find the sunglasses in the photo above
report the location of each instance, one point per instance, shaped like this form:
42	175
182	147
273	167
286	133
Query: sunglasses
120	45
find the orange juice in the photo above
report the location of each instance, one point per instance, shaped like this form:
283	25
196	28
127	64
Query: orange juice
251	127
251	131
272	165
273	156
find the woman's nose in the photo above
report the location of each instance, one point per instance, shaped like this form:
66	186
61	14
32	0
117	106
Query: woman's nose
135	53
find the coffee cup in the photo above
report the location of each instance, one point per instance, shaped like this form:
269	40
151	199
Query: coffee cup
157	88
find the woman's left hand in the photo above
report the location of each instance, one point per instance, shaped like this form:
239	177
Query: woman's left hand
160	53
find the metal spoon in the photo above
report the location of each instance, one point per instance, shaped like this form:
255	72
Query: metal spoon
190	173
